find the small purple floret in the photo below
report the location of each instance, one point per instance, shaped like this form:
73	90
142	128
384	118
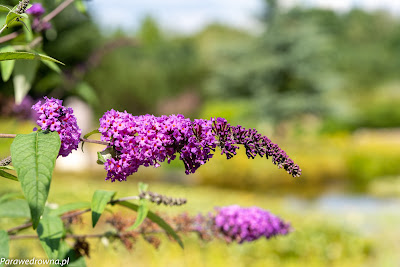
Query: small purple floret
248	224
54	116
36	10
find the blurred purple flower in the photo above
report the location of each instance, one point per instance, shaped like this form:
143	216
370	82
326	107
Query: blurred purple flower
39	25
248	224
23	110
36	10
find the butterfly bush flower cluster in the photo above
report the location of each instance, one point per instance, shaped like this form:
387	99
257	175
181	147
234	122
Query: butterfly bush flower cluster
38	25
232	224
54	116
148	140
248	224
255	144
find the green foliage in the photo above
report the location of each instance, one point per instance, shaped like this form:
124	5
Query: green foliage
26	55
365	164
6	174
14	208
99	202
50	232
34	157
284	72
143	208
4	246
24	74
8	196
7	66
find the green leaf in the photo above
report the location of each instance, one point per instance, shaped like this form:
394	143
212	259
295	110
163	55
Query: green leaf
107	153
11	16
80	6
142	187
4	246
8	175
141	214
27	55
86	136
7	66
24	74
69	207
99	202
16	208
34	156
28	31
8	196
7	167
156	219
5	8
50	231
52	65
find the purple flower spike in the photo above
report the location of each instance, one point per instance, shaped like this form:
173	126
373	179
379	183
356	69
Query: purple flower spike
248	224
148	140
54	116
36	10
254	143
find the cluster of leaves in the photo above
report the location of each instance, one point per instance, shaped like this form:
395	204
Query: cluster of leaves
34	168
25	48
34	155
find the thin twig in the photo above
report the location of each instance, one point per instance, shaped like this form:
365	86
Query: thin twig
35	42
82	139
94	141
9	37
8	135
112	202
71	215
57	10
84	236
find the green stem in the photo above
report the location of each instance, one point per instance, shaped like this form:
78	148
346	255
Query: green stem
2	29
69	215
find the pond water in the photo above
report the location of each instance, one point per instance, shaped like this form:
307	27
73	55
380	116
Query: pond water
362	212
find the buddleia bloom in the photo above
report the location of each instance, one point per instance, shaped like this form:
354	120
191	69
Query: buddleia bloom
240	225
255	144
53	116
148	140
36	10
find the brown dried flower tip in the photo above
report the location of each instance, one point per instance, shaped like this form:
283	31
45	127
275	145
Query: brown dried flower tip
161	199
118	221
128	239
22	6
82	247
154	241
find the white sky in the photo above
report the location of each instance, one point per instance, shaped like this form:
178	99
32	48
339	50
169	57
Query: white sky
188	16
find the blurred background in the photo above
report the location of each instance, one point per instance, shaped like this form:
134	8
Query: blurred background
319	78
